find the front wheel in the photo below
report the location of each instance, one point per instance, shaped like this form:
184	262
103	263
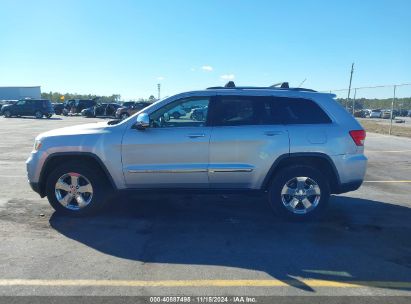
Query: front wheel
7	114
124	116
77	189
38	114
299	193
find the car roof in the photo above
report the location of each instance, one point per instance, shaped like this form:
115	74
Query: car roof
249	91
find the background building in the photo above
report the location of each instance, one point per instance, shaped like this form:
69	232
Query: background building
15	93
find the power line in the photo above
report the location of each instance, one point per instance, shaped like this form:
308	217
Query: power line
372	87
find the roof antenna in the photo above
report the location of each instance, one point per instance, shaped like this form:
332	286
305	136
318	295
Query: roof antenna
230	84
302	82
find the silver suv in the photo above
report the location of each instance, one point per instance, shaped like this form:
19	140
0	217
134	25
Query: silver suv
295	145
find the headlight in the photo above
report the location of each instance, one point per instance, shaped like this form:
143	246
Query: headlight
37	145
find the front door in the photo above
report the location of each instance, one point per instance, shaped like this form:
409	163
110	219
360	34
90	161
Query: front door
172	152
21	108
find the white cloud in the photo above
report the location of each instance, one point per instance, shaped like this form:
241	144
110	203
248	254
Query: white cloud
227	77
207	68
160	78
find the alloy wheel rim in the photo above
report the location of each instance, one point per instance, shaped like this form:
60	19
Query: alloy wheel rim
73	191
300	195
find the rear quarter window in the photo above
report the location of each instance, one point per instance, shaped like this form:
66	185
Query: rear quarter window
299	111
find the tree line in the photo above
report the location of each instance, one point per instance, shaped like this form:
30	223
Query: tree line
58	97
364	103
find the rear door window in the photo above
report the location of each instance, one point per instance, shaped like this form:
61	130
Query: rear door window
245	110
234	111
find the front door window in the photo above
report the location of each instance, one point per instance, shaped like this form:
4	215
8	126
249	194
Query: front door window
188	112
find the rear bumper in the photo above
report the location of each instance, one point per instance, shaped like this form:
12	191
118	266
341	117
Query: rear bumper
351	169
347	187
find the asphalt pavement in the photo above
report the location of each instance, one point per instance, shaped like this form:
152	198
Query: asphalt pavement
205	244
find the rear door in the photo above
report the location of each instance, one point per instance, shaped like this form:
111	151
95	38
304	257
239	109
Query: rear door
247	137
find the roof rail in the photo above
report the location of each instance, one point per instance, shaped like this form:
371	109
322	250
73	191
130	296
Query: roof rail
282	85
277	86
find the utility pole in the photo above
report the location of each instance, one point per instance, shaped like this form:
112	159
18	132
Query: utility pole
392	110
349	88
158	89
353	102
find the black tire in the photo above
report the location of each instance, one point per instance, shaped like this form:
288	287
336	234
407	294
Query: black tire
102	189
38	114
286	176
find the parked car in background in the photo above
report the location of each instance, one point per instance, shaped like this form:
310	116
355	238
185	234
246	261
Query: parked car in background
375	114
386	114
58	108
126	111
128	104
101	110
367	113
75	106
360	114
29	107
199	113
6	102
401	113
177	112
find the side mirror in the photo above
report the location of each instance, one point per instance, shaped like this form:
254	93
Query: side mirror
143	121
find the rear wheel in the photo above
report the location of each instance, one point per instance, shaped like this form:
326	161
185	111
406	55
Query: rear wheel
77	189
299	193
38	114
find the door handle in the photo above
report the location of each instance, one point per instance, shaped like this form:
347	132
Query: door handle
196	135
273	133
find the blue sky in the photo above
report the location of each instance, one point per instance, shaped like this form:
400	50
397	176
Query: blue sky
127	47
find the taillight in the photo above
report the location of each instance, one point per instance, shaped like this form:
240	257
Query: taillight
358	136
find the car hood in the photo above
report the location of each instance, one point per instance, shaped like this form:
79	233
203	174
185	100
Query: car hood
90	128
6	106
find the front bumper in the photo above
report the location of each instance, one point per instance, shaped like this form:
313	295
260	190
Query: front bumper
35	187
33	166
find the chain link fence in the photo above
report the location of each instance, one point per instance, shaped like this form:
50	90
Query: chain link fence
382	109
